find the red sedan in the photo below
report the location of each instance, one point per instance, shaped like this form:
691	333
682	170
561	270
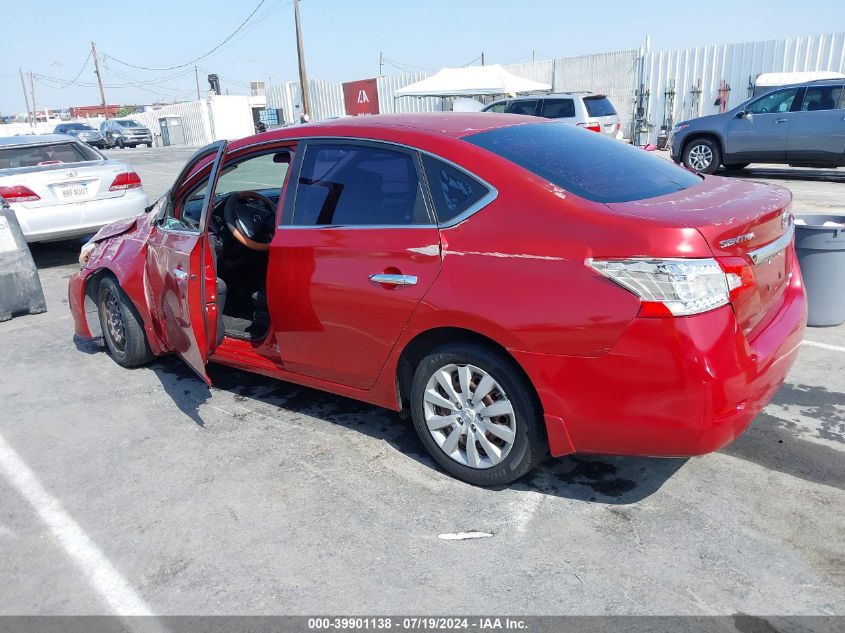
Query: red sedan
522	287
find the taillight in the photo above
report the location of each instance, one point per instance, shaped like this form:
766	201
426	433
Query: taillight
594	127
739	275
669	287
126	180
18	193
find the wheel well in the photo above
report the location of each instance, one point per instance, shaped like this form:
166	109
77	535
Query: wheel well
92	285
707	135
426	341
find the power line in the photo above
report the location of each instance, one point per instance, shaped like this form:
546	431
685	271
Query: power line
72	81
204	55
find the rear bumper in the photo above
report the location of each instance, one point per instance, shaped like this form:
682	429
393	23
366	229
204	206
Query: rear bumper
63	221
669	387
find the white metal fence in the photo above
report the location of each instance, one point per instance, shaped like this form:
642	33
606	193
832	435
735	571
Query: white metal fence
694	74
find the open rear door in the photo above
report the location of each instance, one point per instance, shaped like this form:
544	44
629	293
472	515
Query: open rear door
180	273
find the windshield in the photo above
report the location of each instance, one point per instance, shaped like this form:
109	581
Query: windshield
129	123
585	163
78	126
35	155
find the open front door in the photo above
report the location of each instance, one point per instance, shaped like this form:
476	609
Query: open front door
181	282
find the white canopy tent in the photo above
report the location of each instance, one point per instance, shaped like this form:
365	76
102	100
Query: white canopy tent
472	81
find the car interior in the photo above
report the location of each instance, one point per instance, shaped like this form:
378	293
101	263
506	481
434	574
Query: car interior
241	227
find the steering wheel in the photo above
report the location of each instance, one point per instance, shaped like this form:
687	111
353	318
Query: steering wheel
250	225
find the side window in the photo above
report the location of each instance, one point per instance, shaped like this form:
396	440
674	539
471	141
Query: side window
558	108
522	106
452	190
497	107
350	185
821	98
777	101
186	199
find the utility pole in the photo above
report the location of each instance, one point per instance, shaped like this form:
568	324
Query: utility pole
303	76
482	58
32	94
25	98
380	64
99	79
197	78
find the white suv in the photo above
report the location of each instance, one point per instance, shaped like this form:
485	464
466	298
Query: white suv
584	109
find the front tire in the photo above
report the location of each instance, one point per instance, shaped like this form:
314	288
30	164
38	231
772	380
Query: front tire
486	439
702	155
123	330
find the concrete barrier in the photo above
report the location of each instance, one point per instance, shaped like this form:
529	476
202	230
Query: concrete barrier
20	286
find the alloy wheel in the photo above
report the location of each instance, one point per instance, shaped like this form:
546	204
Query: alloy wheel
469	415
700	157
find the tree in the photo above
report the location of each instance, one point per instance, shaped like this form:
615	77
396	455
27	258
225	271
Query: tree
127	110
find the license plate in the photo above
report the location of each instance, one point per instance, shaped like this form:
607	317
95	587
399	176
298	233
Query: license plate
73	191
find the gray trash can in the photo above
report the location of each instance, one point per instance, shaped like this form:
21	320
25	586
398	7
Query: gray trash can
821	255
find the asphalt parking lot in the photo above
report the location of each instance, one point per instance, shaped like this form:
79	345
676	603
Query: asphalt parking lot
151	493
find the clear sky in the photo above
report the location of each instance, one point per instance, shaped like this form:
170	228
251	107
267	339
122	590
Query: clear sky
343	38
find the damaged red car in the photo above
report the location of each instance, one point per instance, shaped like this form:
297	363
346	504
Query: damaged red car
523	288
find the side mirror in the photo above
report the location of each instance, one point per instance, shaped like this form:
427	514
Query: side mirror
743	114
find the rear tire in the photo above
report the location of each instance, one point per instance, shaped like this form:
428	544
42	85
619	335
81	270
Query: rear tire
461	440
123	330
702	155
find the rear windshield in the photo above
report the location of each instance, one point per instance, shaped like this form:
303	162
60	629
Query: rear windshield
585	163
599	105
34	155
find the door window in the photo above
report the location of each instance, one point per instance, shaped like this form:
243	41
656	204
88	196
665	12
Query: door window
452	190
351	185
558	108
777	101
522	106
186	199
496	107
822	98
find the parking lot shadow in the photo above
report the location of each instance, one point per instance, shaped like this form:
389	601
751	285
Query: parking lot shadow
52	254
806	450
610	480
786	173
183	386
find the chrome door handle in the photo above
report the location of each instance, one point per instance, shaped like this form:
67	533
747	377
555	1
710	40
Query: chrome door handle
394	280
780	120
180	274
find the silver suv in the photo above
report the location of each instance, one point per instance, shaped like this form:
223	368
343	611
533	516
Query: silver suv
125	132
802	125
584	109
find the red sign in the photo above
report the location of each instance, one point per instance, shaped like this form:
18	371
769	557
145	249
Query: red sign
361	97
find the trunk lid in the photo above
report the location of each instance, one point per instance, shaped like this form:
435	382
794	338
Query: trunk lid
67	183
745	223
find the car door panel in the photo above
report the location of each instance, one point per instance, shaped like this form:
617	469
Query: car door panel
817	132
758	133
758	138
330	319
180	279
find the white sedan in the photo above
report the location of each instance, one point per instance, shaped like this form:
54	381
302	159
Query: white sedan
61	188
